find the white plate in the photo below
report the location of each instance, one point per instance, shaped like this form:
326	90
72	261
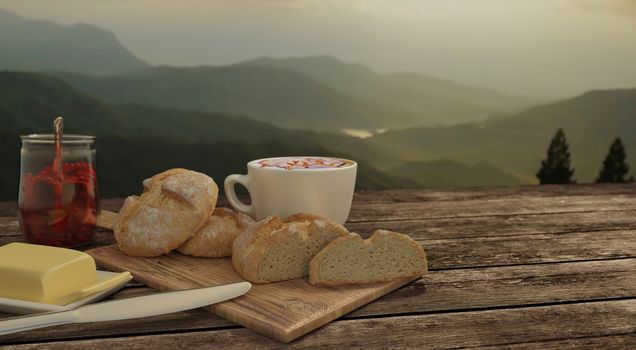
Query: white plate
23	307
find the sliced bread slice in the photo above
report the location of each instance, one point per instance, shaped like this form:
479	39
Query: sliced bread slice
384	256
272	250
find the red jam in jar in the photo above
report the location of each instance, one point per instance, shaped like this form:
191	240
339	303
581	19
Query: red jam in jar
58	208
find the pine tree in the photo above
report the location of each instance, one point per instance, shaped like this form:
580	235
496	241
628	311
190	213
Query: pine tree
555	169
614	167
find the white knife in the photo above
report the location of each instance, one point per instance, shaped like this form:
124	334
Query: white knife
150	305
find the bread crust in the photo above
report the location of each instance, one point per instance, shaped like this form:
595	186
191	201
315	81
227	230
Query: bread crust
314	265
172	208
214	239
300	217
251	247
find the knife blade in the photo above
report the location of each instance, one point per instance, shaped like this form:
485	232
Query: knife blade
150	305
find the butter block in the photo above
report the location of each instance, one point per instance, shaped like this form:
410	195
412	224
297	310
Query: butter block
43	274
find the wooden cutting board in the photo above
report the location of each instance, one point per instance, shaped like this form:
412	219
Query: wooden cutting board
282	310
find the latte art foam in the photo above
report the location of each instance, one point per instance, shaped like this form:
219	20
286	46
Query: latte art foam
304	163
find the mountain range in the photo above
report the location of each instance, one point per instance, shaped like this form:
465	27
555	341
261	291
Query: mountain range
318	93
280	97
427	99
37	45
216	118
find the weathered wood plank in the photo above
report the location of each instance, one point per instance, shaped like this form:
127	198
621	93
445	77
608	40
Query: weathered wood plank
107	219
503	225
191	320
436	194
500	250
486	226
9	227
440	291
435	331
504	206
112	204
498	226
101	238
529	249
362	211
451	194
462	289
447	228
609	342
494	192
368	210
505	286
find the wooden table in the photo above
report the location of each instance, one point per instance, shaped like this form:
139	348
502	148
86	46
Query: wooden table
546	267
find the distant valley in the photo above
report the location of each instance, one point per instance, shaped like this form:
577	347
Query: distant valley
135	142
519	142
144	140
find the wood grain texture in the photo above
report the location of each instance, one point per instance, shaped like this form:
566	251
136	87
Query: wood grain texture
9	227
434	194
455	194
503	225
529	249
608	342
436	331
440	291
101	238
283	310
511	249
505	286
481	226
451	228
470	208
477	207
106	219
508	261
515	249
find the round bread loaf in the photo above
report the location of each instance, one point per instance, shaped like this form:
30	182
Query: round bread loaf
215	238
174	206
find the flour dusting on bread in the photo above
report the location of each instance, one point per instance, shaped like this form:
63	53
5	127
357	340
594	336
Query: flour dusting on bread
174	205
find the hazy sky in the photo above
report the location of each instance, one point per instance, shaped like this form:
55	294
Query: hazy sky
533	47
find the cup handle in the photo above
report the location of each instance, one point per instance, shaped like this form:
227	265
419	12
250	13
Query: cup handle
229	184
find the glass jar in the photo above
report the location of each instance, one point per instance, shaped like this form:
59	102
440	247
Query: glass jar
58	207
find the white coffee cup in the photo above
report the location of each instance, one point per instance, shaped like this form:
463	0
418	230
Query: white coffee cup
326	191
